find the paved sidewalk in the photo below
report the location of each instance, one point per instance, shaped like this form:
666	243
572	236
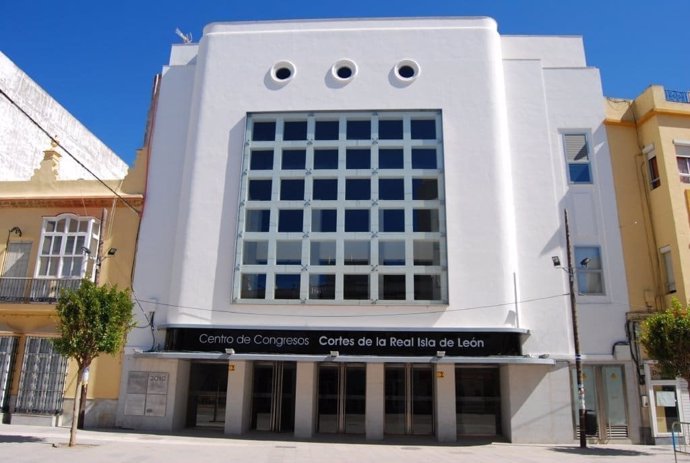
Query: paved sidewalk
45	444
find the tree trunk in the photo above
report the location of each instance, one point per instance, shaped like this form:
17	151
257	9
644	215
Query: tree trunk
75	410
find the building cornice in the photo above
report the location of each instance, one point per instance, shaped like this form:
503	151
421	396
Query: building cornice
70	201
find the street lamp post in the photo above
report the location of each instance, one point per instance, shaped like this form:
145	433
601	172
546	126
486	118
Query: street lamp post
576	337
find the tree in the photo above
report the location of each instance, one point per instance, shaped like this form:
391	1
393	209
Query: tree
92	320
666	337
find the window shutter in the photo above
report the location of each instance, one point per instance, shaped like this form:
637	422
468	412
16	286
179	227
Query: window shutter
576	147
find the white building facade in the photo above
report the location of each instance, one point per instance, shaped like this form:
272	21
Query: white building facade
350	228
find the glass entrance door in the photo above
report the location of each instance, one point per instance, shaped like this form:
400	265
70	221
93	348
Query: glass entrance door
273	396
409	399
208	383
605	395
341	404
477	401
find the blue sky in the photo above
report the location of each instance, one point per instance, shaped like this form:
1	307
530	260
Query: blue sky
98	58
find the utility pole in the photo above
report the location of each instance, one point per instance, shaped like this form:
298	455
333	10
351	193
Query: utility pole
576	337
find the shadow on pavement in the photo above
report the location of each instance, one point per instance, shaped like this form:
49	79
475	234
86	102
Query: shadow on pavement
600	451
19	439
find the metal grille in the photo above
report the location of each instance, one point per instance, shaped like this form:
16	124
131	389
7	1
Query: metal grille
42	379
8	349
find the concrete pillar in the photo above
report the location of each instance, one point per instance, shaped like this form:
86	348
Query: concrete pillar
238	397
444	391
375	401
305	399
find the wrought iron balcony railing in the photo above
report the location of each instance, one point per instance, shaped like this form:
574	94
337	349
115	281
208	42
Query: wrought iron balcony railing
677	96
34	290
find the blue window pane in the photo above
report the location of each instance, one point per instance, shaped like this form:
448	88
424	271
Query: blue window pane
253	286
358	159
425	220
423	129
325	159
391	188
323	220
294	159
392	220
423	158
290	220
257	220
287	286
264	131
295	130
579	173
321	286
391	130
261	160
424	188
326	189
292	190
326	130
359	130
259	190
391	158
357	189
356	220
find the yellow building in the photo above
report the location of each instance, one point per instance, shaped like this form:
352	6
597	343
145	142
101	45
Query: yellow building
649	138
59	231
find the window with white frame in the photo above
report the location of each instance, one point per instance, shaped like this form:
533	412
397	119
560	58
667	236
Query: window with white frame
589	270
342	208
66	243
577	155
667	261
683	160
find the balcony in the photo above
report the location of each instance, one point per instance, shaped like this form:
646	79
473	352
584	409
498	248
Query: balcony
34	290
677	96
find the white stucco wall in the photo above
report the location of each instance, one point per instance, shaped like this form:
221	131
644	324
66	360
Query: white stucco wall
503	102
21	150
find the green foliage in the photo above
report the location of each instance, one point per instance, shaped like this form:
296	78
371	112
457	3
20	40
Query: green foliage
92	320
666	337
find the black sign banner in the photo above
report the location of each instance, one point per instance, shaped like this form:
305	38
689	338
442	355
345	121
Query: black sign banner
347	342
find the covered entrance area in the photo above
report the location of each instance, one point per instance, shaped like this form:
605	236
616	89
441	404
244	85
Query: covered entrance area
273	396
208	383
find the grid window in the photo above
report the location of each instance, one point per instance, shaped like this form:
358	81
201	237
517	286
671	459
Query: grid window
326	130
325	159
288	252
325	189
356	220
358	158
294	159
391	188
392	220
321	286
324	220
342	209
287	286
356	287
66	240
292	190
257	220
255	253
356	252
295	130
392	287
357	188
322	253
391	158
683	168
290	220
577	156
667	260
391	129
261	160
653	167
259	190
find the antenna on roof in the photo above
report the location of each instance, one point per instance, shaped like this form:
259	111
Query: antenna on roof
186	38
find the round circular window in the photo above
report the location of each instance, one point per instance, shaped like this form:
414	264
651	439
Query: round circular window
407	70
283	71
344	70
